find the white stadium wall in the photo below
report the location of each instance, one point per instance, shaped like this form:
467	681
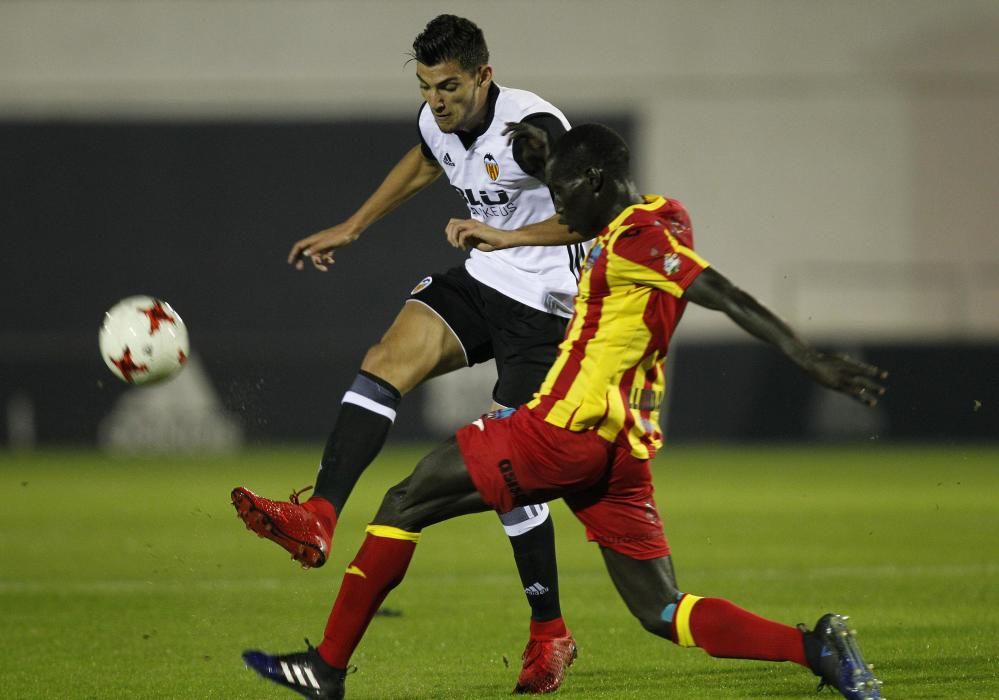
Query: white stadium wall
840	159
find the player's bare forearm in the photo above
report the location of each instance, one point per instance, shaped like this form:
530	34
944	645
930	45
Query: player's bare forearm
547	232
469	233
861	381
410	175
713	290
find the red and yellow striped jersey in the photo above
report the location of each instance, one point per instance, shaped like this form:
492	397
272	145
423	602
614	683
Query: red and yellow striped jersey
609	375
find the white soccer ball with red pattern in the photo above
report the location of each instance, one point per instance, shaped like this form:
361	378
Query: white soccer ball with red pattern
143	340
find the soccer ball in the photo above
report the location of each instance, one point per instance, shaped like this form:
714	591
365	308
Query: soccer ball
143	340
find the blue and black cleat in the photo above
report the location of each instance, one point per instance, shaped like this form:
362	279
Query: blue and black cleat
305	673
834	656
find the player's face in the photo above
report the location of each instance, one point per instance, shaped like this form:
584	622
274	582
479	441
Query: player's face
576	204
456	97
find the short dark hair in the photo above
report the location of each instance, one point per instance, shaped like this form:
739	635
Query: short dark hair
451	38
590	146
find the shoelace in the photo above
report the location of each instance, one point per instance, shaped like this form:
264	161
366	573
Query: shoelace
351	668
295	494
535	653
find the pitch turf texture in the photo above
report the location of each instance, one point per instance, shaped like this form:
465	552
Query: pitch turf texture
132	577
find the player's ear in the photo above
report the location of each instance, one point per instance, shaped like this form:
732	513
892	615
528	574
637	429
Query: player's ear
595	178
485	75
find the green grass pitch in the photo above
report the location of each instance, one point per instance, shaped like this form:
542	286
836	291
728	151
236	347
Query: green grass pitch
132	578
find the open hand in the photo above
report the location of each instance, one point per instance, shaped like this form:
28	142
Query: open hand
318	248
533	141
856	379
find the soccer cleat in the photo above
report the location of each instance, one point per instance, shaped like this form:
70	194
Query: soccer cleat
305	672
545	664
834	656
288	523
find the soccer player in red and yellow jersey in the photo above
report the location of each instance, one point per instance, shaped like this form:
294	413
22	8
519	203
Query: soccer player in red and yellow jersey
609	376
588	434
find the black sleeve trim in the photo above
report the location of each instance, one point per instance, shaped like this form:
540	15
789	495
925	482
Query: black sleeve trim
547	122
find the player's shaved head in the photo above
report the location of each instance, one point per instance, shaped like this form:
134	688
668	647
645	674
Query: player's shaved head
590	146
588	172
451	38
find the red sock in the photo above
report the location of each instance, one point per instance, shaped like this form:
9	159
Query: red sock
378	567
549	629
725	630
324	509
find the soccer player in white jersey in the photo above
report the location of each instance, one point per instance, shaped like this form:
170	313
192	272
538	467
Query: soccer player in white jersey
510	304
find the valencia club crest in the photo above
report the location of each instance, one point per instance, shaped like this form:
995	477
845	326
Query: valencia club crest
492	167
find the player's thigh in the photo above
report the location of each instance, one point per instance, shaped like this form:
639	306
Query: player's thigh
417	346
525	343
647	586
516	458
619	511
441	328
438	489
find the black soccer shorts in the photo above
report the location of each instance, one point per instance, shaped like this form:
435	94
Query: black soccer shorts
487	324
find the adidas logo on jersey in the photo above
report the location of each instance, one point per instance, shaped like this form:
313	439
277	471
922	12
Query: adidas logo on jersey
446	160
535	589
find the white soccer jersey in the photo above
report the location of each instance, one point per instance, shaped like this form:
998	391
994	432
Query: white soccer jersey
482	170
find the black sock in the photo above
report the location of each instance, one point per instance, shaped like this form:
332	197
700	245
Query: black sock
534	552
366	414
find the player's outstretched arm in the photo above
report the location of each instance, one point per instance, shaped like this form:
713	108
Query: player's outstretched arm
863	382
471	233
411	174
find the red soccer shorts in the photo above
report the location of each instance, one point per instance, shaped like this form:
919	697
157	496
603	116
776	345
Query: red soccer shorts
521	460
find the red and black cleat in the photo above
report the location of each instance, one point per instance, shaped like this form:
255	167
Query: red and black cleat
288	523
545	664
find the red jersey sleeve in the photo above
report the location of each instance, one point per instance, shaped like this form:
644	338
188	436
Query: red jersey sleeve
655	249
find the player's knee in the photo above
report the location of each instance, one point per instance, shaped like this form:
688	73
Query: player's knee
655	609
404	367
380	360
653	622
392	510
